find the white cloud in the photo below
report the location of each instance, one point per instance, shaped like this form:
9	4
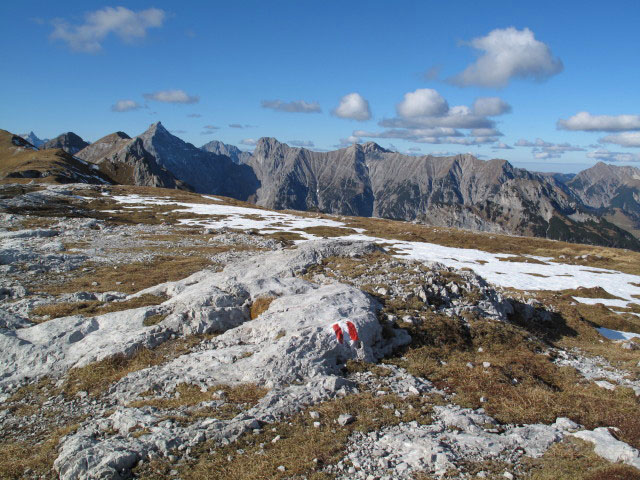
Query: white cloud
490	106
172	96
209	130
508	53
194	115
354	107
423	102
125	106
606	155
301	143
502	146
122	22
584	121
486	132
627	139
545	155
543	149
296	106
238	125
350	140
424	116
249	141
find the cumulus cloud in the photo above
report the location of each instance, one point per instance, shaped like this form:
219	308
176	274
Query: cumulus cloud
249	141
424	116
301	143
586	122
502	146
172	96
126	24
490	106
209	130
542	149
296	106
354	107
423	102
125	106
609	156
506	54
429	135
627	139
346	142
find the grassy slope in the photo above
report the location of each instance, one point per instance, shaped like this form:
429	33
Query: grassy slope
441	349
19	164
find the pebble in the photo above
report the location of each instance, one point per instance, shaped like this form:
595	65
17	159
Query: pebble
345	419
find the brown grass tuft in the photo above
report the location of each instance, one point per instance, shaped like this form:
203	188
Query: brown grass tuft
259	306
96	377
91	308
300	442
17	457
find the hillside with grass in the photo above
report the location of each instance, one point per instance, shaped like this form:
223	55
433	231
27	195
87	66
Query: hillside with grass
22	162
156	333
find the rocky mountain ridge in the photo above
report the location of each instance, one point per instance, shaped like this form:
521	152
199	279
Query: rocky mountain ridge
367	180
231	151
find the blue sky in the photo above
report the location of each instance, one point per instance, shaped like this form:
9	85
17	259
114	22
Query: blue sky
290	70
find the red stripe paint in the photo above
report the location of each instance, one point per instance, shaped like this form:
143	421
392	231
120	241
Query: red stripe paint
353	333
339	334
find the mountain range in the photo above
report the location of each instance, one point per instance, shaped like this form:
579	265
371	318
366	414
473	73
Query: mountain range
600	205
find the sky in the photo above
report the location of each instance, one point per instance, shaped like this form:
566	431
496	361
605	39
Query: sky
549	86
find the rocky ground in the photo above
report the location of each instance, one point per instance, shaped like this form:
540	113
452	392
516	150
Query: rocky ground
134	343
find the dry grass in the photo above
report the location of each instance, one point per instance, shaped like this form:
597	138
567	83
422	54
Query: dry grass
154	319
328	232
96	377
17	457
237	398
299	444
91	308
522	259
521	385
128	278
575	459
259	306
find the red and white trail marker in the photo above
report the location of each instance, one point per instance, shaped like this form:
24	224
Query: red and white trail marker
338	329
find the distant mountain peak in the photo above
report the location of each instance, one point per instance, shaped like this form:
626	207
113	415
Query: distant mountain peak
266	145
371	147
33	139
231	151
69	142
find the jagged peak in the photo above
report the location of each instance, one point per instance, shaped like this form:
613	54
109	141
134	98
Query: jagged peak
122	135
155	128
266	145
369	147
